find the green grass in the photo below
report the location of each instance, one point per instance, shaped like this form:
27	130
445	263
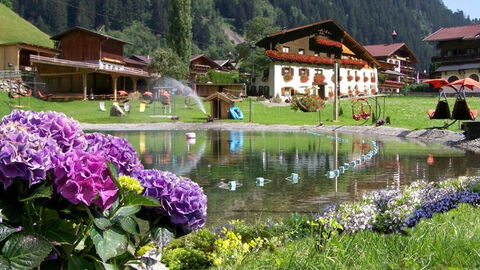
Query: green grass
447	241
16	29
404	112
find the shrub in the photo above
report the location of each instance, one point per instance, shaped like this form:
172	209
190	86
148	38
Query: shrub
311	103
81	197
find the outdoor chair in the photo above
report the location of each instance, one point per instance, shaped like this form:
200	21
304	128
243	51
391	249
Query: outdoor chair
142	107
102	106
126	107
43	96
461	111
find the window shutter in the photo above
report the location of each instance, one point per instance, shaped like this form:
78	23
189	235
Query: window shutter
283	91
308	72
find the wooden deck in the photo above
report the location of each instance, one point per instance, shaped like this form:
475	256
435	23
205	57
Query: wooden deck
65	97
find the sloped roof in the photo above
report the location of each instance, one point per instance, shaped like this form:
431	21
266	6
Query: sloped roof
134	62
221	62
348	40
222	96
459	32
208	59
94	33
142	58
386	50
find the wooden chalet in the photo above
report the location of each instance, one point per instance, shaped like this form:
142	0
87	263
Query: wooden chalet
18	55
458	54
91	64
303	59
397	64
220	104
226	65
200	64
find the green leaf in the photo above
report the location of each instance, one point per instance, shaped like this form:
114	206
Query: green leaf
162	236
79	263
136	199
127	211
109	243
113	172
102	223
43	191
6	231
129	225
26	251
4	263
60	231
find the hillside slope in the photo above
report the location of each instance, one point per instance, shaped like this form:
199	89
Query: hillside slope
19	30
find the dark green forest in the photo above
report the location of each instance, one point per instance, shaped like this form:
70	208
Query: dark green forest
145	23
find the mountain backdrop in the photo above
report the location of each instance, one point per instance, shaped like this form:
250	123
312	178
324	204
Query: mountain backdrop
217	22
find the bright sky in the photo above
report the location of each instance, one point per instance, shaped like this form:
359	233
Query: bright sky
469	7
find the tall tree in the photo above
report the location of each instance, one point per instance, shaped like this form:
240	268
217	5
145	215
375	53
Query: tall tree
179	36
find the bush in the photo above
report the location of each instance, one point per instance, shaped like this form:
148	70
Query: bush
215	76
186	259
423	87
311	103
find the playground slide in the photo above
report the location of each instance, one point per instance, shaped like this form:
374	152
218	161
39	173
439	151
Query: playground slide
236	113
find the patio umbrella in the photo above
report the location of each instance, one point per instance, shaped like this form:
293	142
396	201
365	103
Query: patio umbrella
436	83
467	82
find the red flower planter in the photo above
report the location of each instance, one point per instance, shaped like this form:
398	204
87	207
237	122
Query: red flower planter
304	79
300	58
328	42
365	79
319	78
349	78
357	78
373	79
287	77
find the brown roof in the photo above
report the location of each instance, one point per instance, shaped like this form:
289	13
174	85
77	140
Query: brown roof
145	59
221	96
94	33
134	62
348	40
459	32
386	50
208	59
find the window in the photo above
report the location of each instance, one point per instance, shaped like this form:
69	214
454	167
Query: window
318	71
287	71
315	54
303	72
286	49
301	51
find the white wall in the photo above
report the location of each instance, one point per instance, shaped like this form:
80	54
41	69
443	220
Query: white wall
276	81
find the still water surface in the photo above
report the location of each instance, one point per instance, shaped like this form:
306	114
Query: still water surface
216	158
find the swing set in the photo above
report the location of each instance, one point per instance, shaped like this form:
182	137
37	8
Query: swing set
460	111
362	102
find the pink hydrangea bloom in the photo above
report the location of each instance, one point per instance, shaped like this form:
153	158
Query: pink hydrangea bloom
83	177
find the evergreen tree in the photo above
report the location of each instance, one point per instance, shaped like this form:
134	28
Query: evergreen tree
179	36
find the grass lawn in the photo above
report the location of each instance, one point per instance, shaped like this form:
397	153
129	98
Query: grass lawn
447	241
405	112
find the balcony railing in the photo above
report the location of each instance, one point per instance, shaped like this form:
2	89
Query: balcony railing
452	58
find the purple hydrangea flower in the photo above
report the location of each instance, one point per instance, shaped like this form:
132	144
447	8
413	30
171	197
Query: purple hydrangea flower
24	155
65	131
81	176
116	150
182	200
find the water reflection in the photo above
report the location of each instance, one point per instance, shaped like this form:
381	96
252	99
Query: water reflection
216	158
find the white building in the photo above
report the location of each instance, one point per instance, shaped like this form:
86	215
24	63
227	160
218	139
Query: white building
303	62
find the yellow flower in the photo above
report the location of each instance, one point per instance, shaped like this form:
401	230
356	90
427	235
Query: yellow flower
130	184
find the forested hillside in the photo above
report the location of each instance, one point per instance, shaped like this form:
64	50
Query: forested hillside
368	21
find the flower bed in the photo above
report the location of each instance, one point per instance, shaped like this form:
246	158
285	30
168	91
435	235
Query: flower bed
70	197
396	209
319	78
328	42
299	58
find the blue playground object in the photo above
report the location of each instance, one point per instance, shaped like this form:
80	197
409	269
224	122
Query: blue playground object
235	113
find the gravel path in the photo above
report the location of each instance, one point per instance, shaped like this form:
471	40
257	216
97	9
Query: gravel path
450	138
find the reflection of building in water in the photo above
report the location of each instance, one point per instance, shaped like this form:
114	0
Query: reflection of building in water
225	146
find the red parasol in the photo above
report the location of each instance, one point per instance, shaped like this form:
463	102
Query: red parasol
467	82
436	83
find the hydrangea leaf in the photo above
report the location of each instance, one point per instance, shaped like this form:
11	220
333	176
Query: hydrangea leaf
127	211
4	263
135	199
102	223
109	243
59	231
129	225
26	251
6	231
43	191
113	173
78	263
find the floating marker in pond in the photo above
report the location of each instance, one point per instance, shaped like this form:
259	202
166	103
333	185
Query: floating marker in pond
330	174
260	181
341	169
336	172
346	165
232	185
363	158
294	176
359	161
353	163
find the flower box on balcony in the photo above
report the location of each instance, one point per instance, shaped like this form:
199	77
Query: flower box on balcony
349	78
319	78
365	79
287	77
357	78
304	79
328	42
